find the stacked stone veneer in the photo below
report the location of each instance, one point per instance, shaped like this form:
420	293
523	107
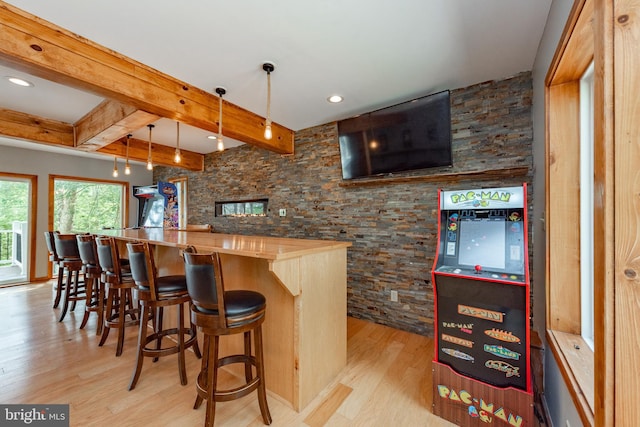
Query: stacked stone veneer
393	227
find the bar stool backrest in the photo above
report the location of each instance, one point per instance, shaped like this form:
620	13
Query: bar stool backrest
205	283
107	251
87	249
51	245
143	268
66	246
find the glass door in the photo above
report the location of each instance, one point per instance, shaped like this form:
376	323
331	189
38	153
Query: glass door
14	229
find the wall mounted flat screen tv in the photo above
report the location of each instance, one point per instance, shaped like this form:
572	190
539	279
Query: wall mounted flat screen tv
408	136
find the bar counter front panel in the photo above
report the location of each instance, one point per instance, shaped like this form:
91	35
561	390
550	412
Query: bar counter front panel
305	284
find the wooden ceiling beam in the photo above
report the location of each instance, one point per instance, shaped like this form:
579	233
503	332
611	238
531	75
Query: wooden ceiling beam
35	46
15	124
108	122
161	155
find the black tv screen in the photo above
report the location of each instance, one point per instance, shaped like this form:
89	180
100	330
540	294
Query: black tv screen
408	136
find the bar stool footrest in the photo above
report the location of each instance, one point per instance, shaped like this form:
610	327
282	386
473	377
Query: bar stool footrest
153	338
232	393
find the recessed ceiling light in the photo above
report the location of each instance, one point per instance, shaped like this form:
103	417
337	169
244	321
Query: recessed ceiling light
212	137
334	99
19	81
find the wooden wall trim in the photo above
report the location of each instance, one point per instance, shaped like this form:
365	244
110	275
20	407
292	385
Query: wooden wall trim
620	38
563	166
575	50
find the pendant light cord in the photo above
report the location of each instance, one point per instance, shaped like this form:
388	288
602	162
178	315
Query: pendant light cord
269	96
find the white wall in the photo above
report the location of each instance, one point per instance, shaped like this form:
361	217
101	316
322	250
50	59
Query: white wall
43	163
556	394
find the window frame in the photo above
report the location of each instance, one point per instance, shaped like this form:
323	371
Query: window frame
124	197
181	184
220	208
587	37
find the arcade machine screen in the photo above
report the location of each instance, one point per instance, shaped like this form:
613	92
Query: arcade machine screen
482	242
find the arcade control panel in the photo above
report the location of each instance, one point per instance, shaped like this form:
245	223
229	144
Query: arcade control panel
478	273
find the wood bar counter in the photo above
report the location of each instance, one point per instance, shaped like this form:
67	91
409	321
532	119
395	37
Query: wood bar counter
305	284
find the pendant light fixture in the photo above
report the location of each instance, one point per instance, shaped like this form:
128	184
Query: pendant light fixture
127	168
268	67
115	167
149	162
220	91
177	157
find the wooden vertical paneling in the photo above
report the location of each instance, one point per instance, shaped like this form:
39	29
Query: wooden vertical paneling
624	17
562	204
605	208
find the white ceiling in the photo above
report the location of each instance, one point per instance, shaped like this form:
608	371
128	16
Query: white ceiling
374	53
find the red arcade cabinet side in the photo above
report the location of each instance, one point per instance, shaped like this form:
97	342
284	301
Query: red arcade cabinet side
480	275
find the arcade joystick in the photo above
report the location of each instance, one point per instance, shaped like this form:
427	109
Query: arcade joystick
478	268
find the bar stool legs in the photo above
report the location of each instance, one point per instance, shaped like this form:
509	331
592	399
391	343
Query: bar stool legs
59	289
73	290
145	340
154	294
120	304
208	378
217	312
94	302
69	261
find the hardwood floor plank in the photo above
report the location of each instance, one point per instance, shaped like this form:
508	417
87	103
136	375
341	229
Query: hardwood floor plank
387	380
328	407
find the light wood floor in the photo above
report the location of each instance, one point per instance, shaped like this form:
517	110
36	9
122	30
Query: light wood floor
387	381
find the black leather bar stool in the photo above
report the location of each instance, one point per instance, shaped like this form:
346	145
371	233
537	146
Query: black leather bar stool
55	262
71	264
119	286
217	312
94	302
154	294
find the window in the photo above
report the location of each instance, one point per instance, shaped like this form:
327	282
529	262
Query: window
573	240
84	205
586	206
602	382
242	208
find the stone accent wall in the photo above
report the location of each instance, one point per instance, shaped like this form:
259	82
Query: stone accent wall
393	227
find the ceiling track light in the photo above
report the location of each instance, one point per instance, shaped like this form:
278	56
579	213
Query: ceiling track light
220	91
127	168
177	157
149	160
268	67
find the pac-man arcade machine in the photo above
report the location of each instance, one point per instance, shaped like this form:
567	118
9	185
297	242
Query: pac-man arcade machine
157	205
481	366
